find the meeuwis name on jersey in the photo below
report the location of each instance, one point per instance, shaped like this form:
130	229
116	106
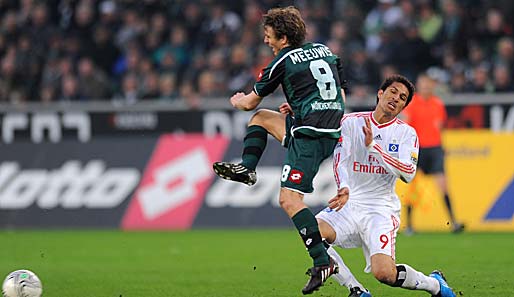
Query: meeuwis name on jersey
311	78
374	170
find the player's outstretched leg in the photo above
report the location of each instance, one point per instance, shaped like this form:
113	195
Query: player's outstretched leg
446	291
235	172
358	292
318	276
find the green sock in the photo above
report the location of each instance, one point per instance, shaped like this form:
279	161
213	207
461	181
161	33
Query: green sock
254	145
307	225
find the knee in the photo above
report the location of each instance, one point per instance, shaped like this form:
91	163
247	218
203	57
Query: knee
326	231
385	275
259	117
286	202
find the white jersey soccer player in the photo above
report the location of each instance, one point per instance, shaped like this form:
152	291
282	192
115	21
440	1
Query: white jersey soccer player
370	175
374	150
392	154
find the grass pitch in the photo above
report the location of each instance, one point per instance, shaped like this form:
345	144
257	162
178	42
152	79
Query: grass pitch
237	263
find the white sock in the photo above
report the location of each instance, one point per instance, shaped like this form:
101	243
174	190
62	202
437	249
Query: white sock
344	277
415	280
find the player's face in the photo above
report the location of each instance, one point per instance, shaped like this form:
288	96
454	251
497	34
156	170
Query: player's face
272	41
393	99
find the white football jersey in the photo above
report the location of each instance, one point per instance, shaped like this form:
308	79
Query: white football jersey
370	172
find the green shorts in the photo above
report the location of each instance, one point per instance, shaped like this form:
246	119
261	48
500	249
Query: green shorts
304	156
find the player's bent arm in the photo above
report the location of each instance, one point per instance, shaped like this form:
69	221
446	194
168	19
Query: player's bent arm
246	102
341	159
404	169
344	96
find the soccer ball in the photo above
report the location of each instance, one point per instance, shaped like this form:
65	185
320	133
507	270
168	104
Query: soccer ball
22	283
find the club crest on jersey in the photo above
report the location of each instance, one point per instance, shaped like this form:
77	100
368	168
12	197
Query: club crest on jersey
393	147
296	176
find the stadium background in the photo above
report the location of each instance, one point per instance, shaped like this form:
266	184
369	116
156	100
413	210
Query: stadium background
106	104
111	113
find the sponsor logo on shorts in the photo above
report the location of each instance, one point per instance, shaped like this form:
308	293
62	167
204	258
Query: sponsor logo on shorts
296	176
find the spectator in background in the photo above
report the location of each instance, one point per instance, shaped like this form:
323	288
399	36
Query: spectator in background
217	67
480	79
208	86
240	77
220	18
108	14
103	51
70	89
167	88
458	83
159	26
129	93
363	73
129	61
427	115
192	18
9	78
502	79
387	70
430	22
494	29
93	83
82	27
455	31
109	31
385	16
177	47
40	30
132	27
150	89
477	58
505	53
28	65
47	94
416	55
10	27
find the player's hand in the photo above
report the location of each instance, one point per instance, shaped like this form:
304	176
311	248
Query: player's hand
285	108
368	133
235	98
339	199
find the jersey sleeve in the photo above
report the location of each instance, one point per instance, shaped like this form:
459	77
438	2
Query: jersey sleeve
403	167
341	157
341	74
269	78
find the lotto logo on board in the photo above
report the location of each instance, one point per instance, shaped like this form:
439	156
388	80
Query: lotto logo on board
296	176
174	183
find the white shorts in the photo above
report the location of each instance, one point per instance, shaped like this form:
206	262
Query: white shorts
370	228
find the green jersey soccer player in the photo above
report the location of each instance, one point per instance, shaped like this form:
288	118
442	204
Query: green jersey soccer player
308	125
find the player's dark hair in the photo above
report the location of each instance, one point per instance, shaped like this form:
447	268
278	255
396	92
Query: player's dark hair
401	79
288	22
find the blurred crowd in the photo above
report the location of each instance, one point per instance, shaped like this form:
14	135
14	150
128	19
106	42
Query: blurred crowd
193	50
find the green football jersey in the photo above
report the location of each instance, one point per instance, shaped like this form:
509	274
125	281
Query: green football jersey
312	78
